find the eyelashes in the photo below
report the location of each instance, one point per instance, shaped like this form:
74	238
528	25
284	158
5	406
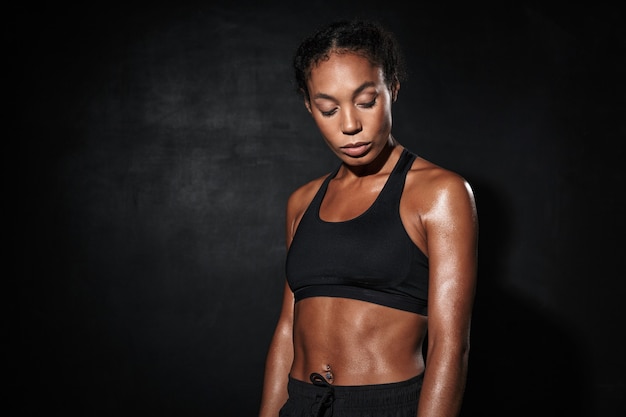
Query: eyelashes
367	105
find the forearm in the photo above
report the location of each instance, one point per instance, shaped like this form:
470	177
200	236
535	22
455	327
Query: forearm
444	384
277	366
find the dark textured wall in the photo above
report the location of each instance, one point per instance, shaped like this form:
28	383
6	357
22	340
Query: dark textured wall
151	152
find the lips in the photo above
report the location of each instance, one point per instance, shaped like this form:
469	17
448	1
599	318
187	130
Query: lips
356	150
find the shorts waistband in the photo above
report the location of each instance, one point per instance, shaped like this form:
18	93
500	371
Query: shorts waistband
394	392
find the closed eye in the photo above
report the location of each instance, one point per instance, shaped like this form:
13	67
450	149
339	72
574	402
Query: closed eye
328	113
368	105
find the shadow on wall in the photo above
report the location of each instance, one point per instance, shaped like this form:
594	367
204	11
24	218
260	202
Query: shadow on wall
522	362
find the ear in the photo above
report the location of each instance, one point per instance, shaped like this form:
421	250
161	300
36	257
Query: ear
395	87
307	99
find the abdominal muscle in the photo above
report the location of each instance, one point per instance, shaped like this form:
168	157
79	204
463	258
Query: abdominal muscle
353	342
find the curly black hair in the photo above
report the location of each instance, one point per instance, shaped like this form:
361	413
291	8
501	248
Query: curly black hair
366	38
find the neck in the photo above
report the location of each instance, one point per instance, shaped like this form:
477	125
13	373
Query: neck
384	162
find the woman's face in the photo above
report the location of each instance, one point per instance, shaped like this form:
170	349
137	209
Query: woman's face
351	106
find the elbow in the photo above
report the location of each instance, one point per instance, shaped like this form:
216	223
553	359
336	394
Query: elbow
451	351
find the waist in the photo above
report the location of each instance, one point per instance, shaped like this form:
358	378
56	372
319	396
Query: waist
320	398
341	379
362	392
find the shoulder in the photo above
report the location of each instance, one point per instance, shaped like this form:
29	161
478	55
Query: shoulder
303	195
298	202
433	190
439	211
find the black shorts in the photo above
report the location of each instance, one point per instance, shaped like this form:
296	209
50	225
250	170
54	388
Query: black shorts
320	399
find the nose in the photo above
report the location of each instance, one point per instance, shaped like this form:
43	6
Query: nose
350	123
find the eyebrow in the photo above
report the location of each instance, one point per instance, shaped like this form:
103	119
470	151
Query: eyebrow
358	91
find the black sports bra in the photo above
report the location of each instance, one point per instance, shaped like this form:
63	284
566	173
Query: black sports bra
369	258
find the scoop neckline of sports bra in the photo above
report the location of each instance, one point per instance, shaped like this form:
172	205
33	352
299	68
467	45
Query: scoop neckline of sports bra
330	177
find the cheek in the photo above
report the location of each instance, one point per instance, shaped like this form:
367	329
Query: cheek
379	121
327	126
331	133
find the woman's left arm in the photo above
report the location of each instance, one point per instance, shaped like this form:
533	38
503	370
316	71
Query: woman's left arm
451	226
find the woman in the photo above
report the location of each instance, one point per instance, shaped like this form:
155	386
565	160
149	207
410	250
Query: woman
381	252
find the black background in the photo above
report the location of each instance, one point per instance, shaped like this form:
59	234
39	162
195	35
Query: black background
150	152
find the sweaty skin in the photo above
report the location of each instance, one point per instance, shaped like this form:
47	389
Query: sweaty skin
361	342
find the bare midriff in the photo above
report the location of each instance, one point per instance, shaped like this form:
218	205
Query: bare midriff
352	342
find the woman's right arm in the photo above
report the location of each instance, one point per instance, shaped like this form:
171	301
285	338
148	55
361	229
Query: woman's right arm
280	355
279	359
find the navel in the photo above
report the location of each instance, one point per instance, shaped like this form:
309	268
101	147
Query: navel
328	373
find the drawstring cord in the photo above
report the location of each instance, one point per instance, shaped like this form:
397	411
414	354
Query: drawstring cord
323	406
